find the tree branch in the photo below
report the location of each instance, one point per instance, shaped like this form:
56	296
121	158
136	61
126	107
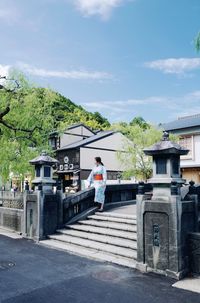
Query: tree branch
5	112
19	129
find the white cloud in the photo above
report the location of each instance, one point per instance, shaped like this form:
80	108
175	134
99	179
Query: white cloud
102	8
177	106
188	112
8	13
45	73
73	74
124	106
4	14
175	66
4	70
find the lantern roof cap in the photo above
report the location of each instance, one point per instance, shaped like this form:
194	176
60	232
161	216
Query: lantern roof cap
165	146
44	158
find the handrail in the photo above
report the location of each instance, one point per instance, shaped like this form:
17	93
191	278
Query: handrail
77	203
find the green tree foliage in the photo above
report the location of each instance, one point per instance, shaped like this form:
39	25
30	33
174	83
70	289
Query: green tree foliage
28	114
197	42
135	162
92	120
140	122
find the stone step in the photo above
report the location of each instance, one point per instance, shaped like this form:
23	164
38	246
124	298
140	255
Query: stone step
116	215
89	253
112	219
100	238
104	231
111	225
108	248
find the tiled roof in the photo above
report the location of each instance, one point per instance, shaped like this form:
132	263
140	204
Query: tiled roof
182	123
43	158
166	146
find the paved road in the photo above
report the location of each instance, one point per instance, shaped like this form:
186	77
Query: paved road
45	275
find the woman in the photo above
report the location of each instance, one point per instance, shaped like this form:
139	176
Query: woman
98	177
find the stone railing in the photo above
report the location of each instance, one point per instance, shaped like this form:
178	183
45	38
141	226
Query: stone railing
12	218
76	204
12	210
11	199
194	252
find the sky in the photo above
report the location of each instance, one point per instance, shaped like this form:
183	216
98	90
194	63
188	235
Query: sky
123	58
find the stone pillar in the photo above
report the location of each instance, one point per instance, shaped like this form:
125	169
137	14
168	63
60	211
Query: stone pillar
43	208
31	203
60	199
163	223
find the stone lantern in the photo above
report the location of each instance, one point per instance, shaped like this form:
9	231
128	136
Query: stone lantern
44	171
164	221
166	167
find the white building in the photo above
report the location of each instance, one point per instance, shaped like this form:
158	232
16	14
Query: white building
77	148
188	130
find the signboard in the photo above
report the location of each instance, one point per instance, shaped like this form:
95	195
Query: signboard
66	160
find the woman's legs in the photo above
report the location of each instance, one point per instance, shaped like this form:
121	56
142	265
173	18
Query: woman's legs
100	195
101	206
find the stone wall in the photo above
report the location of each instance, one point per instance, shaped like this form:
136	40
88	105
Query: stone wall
12	219
51	213
162	230
12	210
11	199
194	252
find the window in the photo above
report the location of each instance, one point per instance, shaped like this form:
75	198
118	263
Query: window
53	142
161	166
37	171
175	166
76	158
187	142
47	171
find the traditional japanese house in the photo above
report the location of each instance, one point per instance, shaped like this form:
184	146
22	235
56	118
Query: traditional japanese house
76	150
188	130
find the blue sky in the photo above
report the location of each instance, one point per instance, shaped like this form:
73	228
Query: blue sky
123	58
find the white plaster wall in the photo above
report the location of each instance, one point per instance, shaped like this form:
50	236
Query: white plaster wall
68	139
196	154
115	142
80	130
109	158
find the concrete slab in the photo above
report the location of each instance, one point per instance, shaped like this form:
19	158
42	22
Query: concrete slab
127	209
191	284
10	233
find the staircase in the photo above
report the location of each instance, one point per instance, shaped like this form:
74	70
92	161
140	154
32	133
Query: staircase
107	236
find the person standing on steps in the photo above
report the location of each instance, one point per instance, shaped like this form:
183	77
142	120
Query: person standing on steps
98	177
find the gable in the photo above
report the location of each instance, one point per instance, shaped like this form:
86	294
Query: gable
80	129
115	141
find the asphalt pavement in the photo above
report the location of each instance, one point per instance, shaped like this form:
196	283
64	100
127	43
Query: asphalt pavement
33	273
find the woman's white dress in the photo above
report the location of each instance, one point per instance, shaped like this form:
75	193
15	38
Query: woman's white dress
99	185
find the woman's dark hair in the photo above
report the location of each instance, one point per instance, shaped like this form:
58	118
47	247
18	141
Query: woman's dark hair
98	160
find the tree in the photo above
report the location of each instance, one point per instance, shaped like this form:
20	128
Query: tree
91	120
135	162
26	119
28	114
197	42
140	122
100	119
